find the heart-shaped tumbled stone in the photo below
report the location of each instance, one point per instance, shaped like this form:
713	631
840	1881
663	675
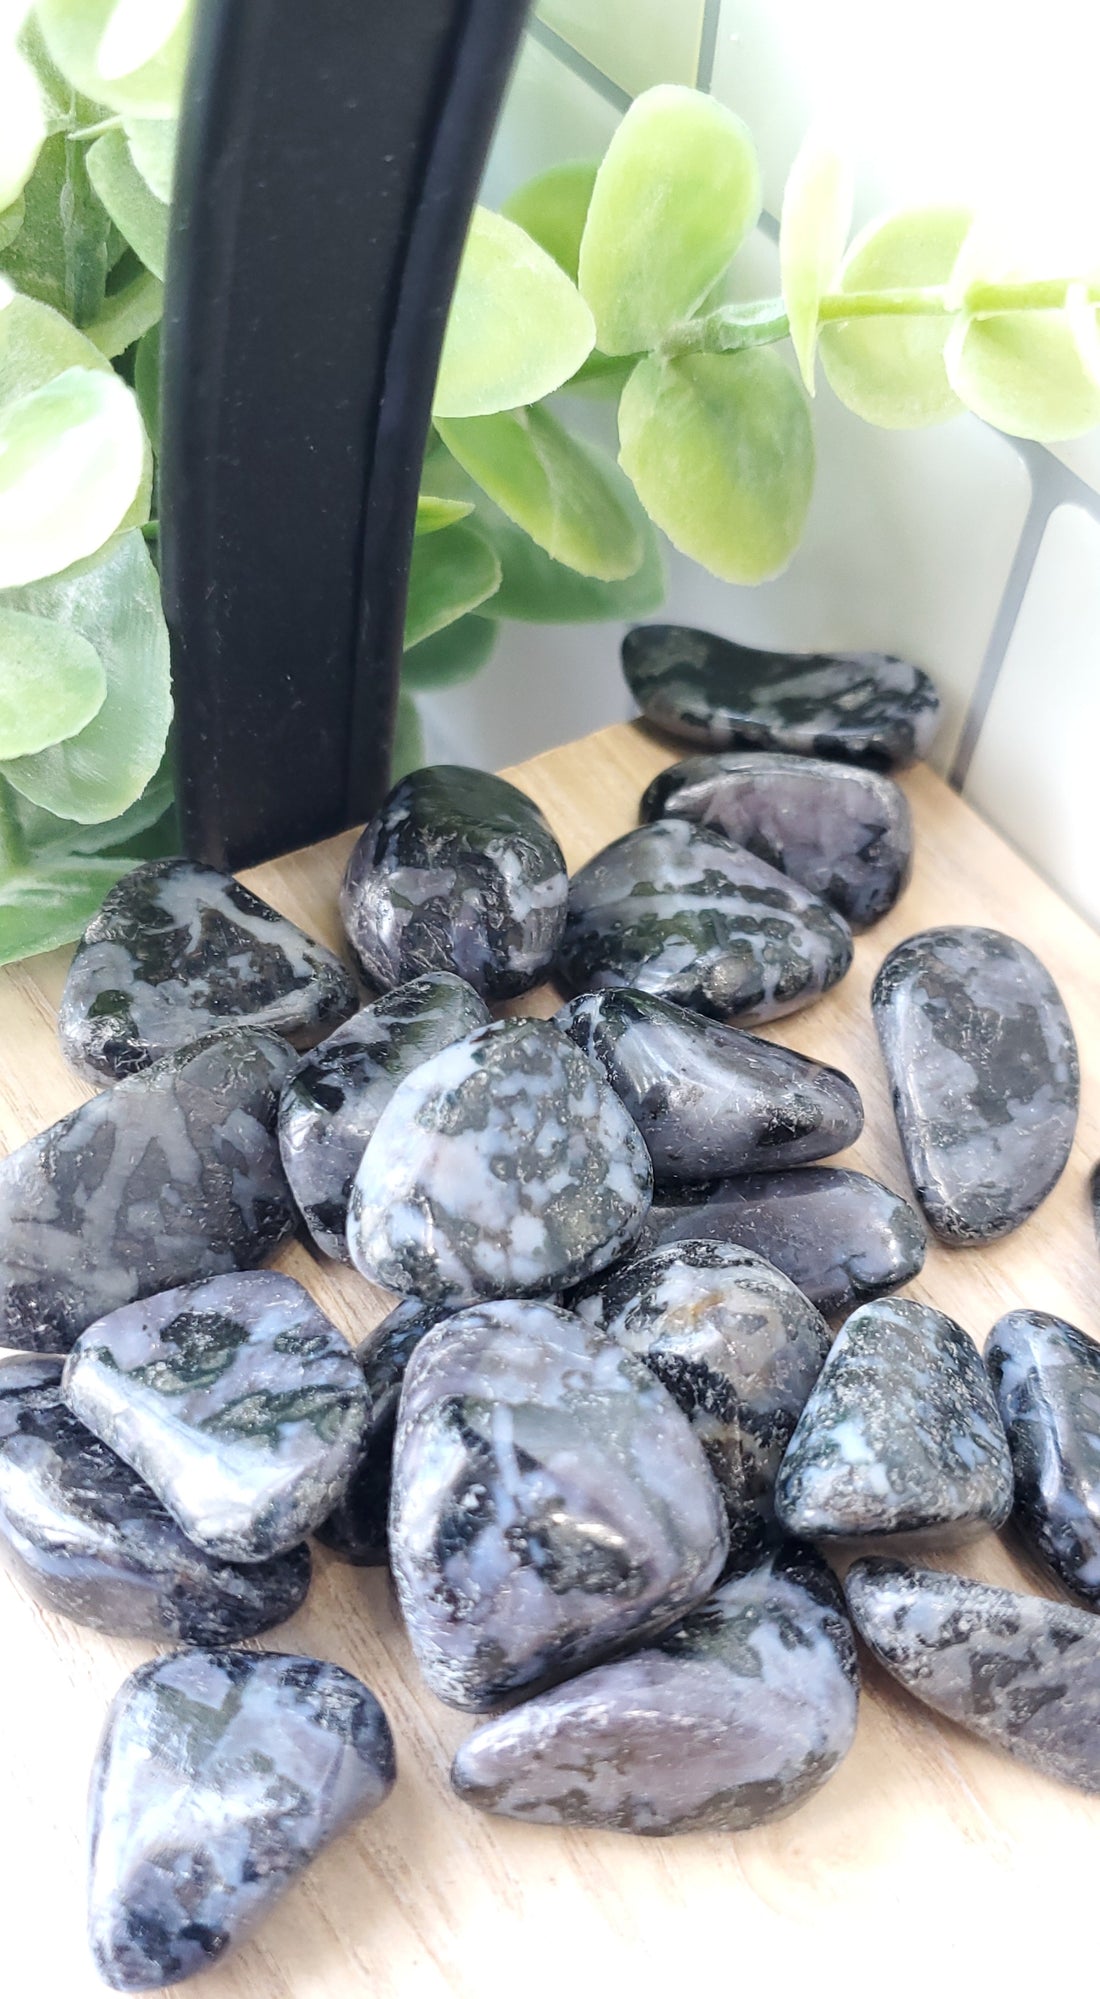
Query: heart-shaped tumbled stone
1046	1375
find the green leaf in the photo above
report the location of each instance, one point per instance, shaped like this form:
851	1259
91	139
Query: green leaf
553	208
517	329
1084	318
153	146
51	683
678	190
891	371
451	573
22	122
813	229
128	200
1025	373
147	381
11	222
602	377
36	345
49	904
72	456
408	739
48	836
454	654
557	489
433	513
128	315
61	254
720	449
127	54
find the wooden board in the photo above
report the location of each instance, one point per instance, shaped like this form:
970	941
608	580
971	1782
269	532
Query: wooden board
928	1859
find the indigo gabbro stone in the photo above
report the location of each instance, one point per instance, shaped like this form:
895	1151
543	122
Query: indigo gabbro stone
334	1098
983	1070
236	1400
503	1166
680	912
900	1435
710	1099
177	952
1046	1376
90	1540
550	1502
169	1176
855	707
844	832
458	872
219	1777
1017	1671
735	1716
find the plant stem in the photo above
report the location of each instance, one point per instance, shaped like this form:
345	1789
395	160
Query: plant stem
14	854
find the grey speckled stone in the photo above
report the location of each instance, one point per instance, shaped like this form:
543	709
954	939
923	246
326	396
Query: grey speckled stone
179	951
336	1095
1094	1191
735	1716
844	832
855	707
88	1539
169	1176
550	1502
680	912
709	1099
900	1436
219	1777
983	1070
458	872
236	1400
1021	1673
1046	1376
503	1166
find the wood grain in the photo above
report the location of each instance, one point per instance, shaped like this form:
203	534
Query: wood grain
928	1860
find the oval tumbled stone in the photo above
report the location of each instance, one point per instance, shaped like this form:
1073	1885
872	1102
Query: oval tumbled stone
1046	1375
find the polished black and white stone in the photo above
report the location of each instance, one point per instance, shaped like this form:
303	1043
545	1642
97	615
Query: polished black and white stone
856	707
180	950
90	1540
334	1098
734	1717
710	1099
680	912
1046	1375
504	1166
235	1399
900	1435
1019	1672
169	1176
840	830
219	1777
550	1502
458	872
983	1072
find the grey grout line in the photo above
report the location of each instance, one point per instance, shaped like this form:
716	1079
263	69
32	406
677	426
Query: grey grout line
1066	487
571	58
708	44
1004	624
768	225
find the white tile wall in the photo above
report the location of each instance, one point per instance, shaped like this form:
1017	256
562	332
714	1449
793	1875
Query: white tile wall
635	42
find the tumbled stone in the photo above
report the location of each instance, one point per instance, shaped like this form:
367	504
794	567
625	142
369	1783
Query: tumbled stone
683	914
1046	1376
840	830
89	1539
503	1166
458	872
840	1236
900	1435
984	1077
1017	1671
334	1098
735	1716
179	951
1094	1190
855	707
219	1777
550	1502
236	1400
710	1099
169	1176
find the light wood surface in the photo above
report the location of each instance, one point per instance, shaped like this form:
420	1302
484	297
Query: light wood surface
928	1863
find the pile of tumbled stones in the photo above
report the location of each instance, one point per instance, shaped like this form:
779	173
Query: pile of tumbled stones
606	1429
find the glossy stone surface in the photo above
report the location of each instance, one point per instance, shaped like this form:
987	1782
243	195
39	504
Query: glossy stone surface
1018	1671
550	1502
900	1436
169	1176
458	872
89	1539
856	707
840	1236
735	1716
219	1777
844	832
984	1077
680	912
334	1098
503	1166
236	1400
179	951
1046	1376
710	1099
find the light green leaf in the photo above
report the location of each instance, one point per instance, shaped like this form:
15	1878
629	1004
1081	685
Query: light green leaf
36	345
127	54
602	377
127	315
51	683
813	229
22	122
132	207
50	836
11	222
678	190
557	489
62	255
1025	373
72	456
433	513
153	146
891	371
51	903
454	654
408	739
517	329
147	381
553	208
1084	318
720	449
451	573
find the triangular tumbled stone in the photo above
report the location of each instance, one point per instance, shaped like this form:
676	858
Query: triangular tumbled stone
1046	1376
